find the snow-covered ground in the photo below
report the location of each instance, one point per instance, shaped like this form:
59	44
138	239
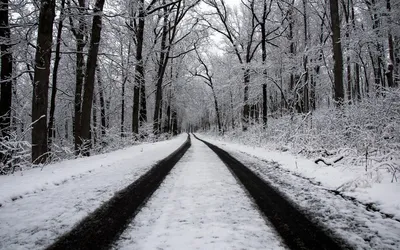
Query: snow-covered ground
199	205
39	205
306	183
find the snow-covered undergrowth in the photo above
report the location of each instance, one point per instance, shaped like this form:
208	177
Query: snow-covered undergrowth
15	153
365	134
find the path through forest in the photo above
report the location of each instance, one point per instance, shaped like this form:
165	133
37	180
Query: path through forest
211	199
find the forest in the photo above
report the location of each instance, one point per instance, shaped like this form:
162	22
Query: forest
313	77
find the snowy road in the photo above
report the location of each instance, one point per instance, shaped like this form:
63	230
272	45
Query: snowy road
200	205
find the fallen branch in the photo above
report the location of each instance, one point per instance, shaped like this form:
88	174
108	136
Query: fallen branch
328	163
322	160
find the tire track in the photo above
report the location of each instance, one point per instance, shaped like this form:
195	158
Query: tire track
102	227
294	227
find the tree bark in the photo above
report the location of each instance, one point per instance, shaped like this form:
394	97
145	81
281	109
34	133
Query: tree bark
217	110
55	74
357	81
6	72
292	51
167	125
232	110
160	75
175	129
90	76
124	80
346	11
245	114
390	65
93	128
378	55
102	104
139	76
337	53
143	104
139	68
122	125
135	112
41	81
305	98
79	77
264	59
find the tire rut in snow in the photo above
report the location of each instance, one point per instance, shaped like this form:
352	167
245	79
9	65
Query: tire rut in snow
102	227
294	227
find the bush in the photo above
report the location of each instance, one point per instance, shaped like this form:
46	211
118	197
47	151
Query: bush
15	154
366	133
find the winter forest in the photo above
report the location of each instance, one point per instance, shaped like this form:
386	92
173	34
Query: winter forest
199	124
85	77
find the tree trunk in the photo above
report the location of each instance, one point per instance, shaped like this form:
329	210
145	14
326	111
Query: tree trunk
167	125
232	110
139	68
264	59
348	63
90	76
217	111
174	122
135	112
390	67
122	127
55	74
160	75
108	103
337	53
245	114
143	103
124	80
378	56
93	129
305	97
357	81
291	52
139	76
41	81
396	61
6	72
79	77
102	104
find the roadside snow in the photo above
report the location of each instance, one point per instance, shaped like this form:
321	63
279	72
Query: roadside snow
40	205
199	205
307	184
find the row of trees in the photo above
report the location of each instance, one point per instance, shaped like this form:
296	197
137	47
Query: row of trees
88	69
298	55
79	74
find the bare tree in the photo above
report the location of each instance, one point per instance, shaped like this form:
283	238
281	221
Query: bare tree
55	74
79	33
337	52
208	78
90	76
244	49
172	16
6	71
41	81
